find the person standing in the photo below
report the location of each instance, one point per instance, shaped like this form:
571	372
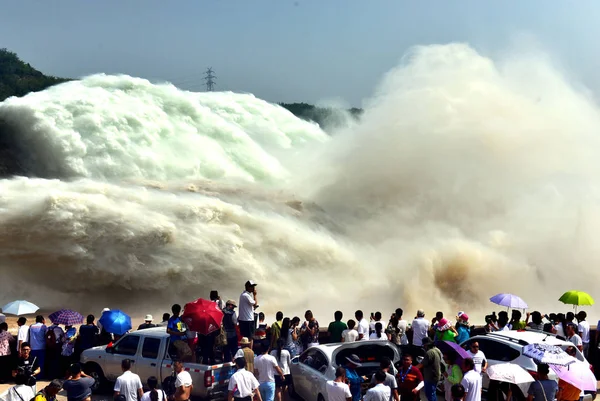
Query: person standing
390	380
276	328
176	329
378	334
543	388
165	320
402	327
471	381
37	341
248	303
229	324
409	379
216	298
478	358
354	380
452	375
154	394
183	383
284	360
338	390
129	383
79	385
5	354
88	334
420	328
309	332
54	340
350	335
432	372
336	328
583	328
243	386
362	326
265	367
376	318
147	323
23	333
462	327
246	352
380	392
574	337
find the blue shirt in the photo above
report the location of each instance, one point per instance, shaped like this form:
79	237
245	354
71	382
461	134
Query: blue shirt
37	336
355	383
175	324
464	333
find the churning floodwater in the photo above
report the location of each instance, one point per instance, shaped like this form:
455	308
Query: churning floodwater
465	177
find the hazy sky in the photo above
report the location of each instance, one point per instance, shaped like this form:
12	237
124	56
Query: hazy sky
285	50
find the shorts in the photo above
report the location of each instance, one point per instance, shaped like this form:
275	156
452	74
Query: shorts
279	382
247	329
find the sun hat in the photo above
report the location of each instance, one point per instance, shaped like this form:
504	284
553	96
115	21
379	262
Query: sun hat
251	283
443	321
464	317
244	341
231	302
354	359
148	318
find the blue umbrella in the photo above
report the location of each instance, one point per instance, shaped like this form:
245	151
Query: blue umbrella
116	322
20	308
509	300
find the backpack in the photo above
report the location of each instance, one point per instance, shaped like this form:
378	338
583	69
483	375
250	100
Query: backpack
51	342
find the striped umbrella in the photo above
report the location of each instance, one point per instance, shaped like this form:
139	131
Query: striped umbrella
67	317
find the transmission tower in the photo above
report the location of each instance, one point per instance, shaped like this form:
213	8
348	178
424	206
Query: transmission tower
210	78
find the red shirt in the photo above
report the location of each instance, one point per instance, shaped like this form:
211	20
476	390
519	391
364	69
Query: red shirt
407	381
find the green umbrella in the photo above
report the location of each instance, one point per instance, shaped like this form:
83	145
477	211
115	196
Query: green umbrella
576	298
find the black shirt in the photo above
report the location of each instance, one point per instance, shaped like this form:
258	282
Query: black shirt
29	364
146	326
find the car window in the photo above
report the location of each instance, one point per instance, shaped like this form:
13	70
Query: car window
127	346
315	359
150	348
366	352
495	350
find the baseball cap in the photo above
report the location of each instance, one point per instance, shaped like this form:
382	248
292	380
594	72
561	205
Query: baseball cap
251	283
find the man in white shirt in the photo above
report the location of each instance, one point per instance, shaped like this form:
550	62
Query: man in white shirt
380	392
23	333
471	381
37	341
248	303
338	390
350	335
266	366
363	326
478	357
390	380
574	337
128	384
420	328
583	328
376	318
243	385
183	383
20	391
402	327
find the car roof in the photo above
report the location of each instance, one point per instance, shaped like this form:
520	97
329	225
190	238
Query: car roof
151	332
330	349
527	336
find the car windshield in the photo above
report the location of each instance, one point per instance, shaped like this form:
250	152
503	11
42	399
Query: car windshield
366	352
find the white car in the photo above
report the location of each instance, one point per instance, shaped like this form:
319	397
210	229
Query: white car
507	346
314	367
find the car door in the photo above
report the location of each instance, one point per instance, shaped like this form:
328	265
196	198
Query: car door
148	361
495	352
302	380
125	348
317	377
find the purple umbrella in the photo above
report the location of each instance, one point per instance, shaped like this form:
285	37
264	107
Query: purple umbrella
509	300
450	346
67	317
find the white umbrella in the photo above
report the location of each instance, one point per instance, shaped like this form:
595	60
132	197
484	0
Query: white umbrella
509	373
578	374
20	308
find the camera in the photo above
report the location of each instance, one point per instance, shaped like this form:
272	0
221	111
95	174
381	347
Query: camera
27	372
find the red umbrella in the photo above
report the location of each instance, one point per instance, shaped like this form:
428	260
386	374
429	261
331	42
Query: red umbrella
202	316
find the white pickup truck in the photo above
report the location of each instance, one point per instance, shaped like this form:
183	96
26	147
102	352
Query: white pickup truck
149	351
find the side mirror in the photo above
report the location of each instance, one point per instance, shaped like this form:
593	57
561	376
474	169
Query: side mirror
295	360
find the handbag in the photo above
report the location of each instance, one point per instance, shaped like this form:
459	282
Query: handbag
221	339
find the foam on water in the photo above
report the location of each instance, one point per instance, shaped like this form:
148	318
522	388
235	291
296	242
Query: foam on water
465	177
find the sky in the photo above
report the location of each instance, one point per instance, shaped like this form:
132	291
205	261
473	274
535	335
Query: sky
312	51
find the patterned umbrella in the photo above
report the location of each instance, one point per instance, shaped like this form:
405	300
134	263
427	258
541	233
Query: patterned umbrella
67	317
578	374
509	373
20	308
509	300
550	354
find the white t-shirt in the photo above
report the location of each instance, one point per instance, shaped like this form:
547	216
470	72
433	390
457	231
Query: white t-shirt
284	362
17	393
337	391
183	379
246	308
378	393
560	331
363	328
374	336
128	384
584	329
575	339
471	381
22	335
265	364
350	336
161	395
420	328
373	323
242	384
478	359
402	327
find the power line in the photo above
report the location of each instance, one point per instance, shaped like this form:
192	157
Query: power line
210	79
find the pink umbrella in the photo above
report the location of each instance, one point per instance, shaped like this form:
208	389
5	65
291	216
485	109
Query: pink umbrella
578	374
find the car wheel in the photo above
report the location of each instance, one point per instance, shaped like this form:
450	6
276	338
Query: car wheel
96	373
